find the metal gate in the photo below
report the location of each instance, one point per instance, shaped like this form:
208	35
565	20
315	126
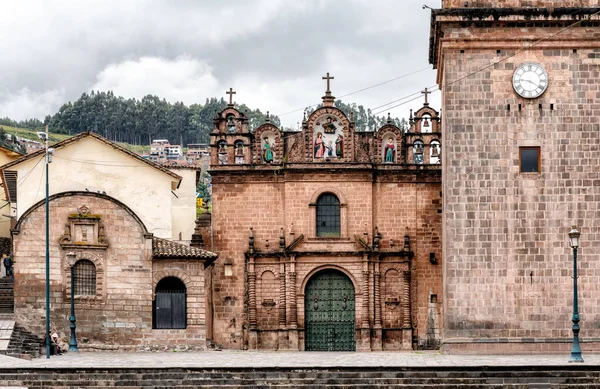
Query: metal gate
329	312
170	309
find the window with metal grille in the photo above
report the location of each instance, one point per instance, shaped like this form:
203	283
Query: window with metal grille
84	275
328	215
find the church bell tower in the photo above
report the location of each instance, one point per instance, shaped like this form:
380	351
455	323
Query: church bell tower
520	83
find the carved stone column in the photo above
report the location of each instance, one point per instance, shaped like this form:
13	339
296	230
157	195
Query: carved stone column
405	304
293	314
377	343
282	303
364	343
253	338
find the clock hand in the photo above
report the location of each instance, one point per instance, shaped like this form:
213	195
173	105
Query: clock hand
529	81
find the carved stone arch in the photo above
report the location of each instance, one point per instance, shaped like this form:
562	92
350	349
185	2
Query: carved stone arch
274	135
262	270
347	131
312	219
71	257
357	289
78	193
433	117
326	189
171	273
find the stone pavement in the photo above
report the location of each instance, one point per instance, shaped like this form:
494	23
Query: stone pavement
7	324
252	359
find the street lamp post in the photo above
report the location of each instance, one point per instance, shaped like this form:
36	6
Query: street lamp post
575	349
47	156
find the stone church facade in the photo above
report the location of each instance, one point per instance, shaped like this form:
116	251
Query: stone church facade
328	238
519	79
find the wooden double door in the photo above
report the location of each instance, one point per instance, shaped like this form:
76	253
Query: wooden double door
329	304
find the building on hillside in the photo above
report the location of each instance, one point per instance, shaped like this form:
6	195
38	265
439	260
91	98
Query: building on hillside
521	102
161	151
114	217
328	238
196	151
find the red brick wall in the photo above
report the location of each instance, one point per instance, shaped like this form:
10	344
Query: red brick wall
268	202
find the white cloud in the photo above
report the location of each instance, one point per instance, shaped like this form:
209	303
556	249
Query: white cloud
181	79
26	104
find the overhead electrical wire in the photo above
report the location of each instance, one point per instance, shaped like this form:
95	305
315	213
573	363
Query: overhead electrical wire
492	63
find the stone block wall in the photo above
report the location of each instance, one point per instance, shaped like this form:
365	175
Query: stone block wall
519	3
507	262
119	315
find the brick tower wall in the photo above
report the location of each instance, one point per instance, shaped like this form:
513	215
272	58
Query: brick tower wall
508	264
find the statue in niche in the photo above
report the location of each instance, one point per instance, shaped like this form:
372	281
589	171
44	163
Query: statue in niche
268	151
339	146
230	124
390	151
319	147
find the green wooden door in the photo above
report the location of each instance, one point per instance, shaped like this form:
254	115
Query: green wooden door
329	312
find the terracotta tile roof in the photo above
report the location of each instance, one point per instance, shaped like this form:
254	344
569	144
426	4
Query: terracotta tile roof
90	134
166	249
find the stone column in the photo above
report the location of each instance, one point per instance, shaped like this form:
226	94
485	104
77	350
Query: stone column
282	342
293	314
253	335
406	319
377	343
364	341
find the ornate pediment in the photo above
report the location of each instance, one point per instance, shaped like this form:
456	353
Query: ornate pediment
84	229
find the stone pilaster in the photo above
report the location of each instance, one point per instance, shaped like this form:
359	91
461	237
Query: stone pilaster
364	342
282	304
406	319
377	343
253	341
293	313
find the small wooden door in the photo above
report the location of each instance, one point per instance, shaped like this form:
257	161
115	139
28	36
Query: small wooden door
329	312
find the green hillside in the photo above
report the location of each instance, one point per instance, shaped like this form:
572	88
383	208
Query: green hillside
55	138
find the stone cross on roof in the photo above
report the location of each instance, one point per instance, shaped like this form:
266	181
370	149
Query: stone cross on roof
328	91
230	92
426	92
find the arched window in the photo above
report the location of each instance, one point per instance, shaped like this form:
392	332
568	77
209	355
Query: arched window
328	216
84	275
170	304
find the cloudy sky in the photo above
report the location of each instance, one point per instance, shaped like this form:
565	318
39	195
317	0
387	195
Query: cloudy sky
272	52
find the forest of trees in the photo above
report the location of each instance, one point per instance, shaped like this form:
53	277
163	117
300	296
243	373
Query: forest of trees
139	121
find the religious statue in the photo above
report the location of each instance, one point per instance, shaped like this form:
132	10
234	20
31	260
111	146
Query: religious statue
390	151
329	127
339	146
319	146
267	151
329	148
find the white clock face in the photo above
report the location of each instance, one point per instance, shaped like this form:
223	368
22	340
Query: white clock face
530	80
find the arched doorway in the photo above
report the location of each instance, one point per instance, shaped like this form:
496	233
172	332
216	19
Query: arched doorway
329	312
170	303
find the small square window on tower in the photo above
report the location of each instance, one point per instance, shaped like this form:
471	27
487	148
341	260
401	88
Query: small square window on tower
529	159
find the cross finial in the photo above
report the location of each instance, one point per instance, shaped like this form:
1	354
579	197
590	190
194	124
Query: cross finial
230	92
328	78
426	92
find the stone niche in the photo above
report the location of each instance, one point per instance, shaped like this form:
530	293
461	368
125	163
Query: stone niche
84	230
